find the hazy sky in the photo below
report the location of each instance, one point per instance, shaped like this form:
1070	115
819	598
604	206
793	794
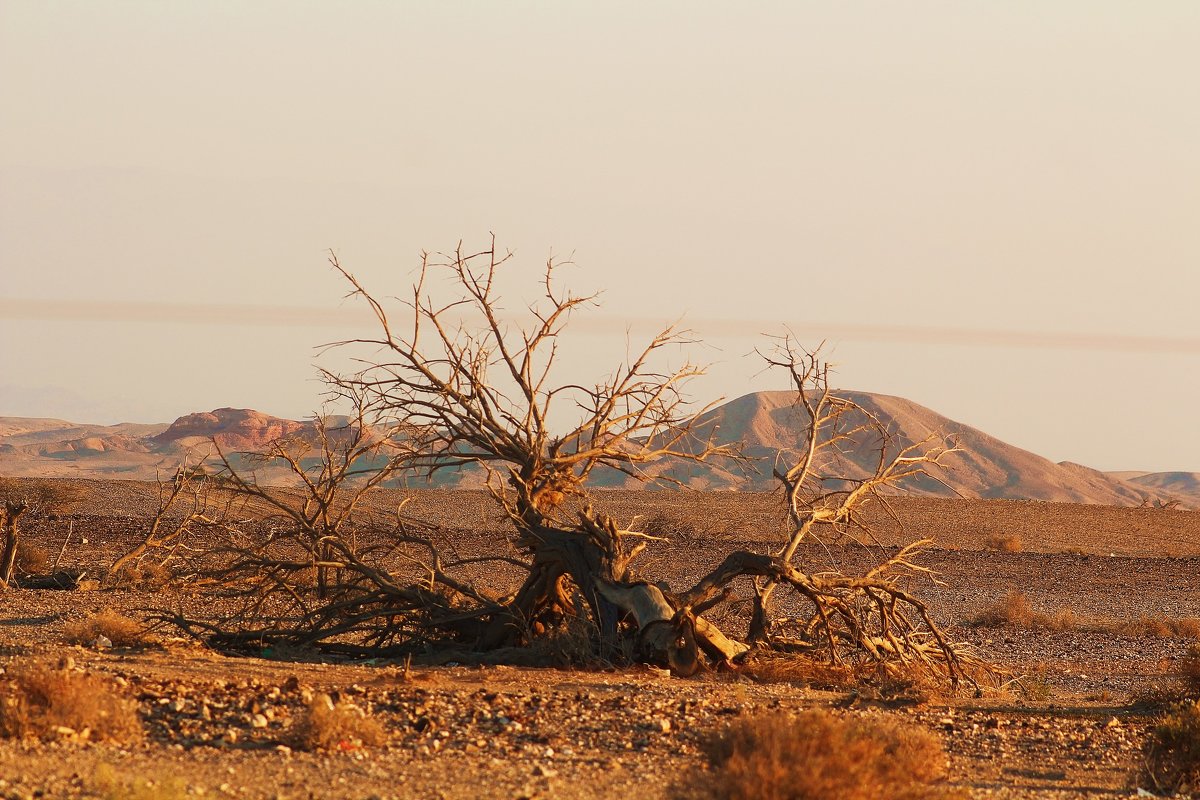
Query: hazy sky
991	208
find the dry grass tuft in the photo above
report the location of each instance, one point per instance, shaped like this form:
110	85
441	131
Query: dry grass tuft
1014	611
117	628
47	703
1005	543
1184	689
1160	627
669	526
1172	757
818	756
31	559
768	667
110	785
146	577
337	726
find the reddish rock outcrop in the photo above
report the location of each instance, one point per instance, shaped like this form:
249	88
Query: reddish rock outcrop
232	428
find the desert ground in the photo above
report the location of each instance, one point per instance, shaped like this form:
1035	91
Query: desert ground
1069	719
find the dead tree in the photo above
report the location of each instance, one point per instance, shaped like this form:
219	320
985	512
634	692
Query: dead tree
470	388
10	513
334	465
185	502
873	616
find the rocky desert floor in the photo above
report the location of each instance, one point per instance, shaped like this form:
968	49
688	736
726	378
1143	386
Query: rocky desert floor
1071	722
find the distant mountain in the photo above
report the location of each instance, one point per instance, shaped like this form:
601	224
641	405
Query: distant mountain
55	448
766	426
233	429
1181	486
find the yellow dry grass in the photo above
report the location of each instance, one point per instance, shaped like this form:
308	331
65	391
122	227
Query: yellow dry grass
117	628
44	702
817	756
326	725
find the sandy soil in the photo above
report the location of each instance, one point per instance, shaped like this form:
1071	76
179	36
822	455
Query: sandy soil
222	726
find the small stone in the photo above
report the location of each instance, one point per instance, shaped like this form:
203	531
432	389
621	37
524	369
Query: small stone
177	704
258	721
544	772
103	642
661	725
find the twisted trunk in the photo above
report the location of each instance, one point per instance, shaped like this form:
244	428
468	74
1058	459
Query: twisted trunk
8	522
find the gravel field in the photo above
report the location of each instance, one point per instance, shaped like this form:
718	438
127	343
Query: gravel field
223	726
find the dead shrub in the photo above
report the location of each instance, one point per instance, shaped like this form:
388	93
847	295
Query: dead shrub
1014	611
117	628
907	684
568	644
326	725
32	559
669	526
1161	627
1172	756
1189	672
146	576
49	703
1005	543
767	667
1035	684
817	756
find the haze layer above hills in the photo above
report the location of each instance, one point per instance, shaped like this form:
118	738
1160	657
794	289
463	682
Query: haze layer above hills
765	425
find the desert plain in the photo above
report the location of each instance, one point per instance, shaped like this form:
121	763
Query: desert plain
1080	686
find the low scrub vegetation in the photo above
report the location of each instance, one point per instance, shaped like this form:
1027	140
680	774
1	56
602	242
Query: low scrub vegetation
1161	627
1172	758
1190	672
891	683
327	725
817	756
31	559
118	629
767	667
44	702
109	784
1005	543
146	576
1015	611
